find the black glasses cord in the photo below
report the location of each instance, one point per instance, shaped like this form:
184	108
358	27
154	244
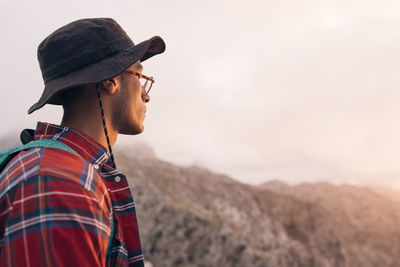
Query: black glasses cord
104	125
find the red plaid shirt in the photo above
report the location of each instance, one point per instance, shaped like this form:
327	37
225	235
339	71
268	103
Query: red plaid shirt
58	209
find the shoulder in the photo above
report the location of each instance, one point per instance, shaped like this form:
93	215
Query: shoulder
56	165
60	163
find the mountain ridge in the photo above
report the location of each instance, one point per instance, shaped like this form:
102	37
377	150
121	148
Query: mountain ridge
192	216
213	220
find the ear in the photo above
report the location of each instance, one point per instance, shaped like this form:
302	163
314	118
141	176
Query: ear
110	86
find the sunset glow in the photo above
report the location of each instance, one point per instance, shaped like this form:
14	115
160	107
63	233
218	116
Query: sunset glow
290	90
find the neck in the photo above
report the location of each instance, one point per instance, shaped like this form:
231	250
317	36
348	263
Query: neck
88	120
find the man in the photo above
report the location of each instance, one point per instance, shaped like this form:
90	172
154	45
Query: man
62	201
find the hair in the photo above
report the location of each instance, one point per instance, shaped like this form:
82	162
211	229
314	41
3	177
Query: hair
71	95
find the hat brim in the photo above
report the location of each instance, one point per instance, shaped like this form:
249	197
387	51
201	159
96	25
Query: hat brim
100	71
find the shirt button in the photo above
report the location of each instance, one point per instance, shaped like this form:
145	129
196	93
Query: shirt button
96	167
117	179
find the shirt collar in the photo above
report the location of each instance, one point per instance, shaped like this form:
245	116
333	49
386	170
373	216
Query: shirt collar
88	148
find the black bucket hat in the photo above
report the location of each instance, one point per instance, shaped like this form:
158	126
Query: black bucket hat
88	51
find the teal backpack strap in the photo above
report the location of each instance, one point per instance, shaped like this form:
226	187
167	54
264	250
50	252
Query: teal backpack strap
7	155
51	143
111	237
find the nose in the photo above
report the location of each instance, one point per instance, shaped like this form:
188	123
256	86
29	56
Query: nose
146	98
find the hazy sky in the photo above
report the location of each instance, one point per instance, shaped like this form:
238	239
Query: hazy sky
292	90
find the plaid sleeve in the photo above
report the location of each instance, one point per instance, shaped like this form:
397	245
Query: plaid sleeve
55	221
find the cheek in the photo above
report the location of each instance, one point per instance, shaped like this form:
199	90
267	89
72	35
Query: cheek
137	101
131	101
123	105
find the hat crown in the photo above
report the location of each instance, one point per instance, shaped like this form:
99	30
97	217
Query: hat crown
88	51
79	44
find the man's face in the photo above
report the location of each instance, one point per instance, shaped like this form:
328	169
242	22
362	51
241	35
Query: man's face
130	101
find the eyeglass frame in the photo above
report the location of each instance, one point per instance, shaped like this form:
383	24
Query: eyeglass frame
147	78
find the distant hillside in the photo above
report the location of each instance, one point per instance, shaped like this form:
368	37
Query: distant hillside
194	217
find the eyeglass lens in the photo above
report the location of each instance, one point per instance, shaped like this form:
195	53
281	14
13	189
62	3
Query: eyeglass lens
146	86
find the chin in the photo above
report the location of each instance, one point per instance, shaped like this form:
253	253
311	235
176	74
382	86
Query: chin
134	130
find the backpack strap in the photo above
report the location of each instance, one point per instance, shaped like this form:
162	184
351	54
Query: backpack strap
7	155
111	237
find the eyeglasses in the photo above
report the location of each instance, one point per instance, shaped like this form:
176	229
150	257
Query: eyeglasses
148	83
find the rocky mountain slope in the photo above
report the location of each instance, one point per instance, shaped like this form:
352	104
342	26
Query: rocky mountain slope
194	217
